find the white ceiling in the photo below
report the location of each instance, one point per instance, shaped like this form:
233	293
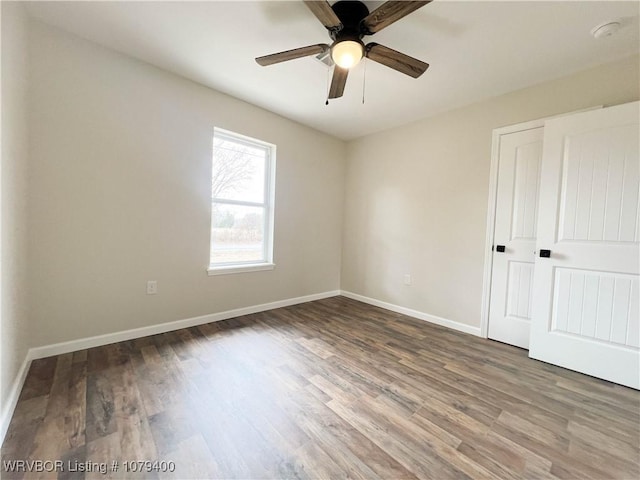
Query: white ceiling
476	49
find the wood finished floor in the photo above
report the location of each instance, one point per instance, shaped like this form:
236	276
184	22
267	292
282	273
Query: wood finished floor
328	389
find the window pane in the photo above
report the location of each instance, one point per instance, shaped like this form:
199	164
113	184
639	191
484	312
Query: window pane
238	171
237	234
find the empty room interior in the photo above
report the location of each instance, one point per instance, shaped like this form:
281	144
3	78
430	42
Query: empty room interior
289	239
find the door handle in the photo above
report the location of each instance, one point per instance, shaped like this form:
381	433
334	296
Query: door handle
545	253
500	248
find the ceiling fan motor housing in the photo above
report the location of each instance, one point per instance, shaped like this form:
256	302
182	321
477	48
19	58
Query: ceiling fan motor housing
351	14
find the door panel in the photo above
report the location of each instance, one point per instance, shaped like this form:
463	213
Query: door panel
515	229
595	305
525	191
519	285
599	199
585	296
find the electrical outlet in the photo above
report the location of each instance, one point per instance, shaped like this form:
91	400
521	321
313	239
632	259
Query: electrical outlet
152	287
407	279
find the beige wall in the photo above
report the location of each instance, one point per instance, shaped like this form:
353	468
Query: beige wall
120	194
13	200
417	195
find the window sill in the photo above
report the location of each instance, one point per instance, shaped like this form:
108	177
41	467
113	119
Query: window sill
253	267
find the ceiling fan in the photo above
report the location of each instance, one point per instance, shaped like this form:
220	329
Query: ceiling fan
347	23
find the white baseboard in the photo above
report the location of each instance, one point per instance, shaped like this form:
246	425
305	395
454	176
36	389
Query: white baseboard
99	340
12	399
444	322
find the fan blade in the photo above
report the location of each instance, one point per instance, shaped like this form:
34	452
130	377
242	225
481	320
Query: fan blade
323	12
338	81
292	54
390	12
396	60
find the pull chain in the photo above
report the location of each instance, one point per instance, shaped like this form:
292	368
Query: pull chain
364	77
328	74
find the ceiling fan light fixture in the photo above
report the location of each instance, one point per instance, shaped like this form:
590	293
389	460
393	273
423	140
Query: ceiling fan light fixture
347	53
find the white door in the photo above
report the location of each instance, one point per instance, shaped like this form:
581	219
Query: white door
519	160
585	296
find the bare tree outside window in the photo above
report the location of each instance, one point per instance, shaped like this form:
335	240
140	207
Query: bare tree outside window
231	168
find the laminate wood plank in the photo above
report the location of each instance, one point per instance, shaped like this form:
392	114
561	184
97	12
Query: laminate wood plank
365	349
324	421
511	454
260	457
151	355
279	428
100	407
499	457
315	463
146	386
534	472
327	389
131	418
104	450
435	444
162	385
197	460
258	425
75	409
279	412
317	393
228	455
169	428
71	458
47	444
332	390
80	356
371	380
539	417
118	354
62	427
455	386
574	469
551	391
314	424
407	451
623	449
523	393
20	436
58	394
97	359
318	347
597	457
564	464
137	343
452	420
39	378
400	403
557	441
626	432
491	462
431	429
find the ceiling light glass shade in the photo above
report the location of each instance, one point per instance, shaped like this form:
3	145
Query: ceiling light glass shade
347	53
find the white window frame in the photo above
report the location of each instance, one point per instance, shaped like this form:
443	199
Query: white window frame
267	204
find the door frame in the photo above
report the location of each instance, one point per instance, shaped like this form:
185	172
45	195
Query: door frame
492	205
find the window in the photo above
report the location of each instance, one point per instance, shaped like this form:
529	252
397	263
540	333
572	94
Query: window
242	190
